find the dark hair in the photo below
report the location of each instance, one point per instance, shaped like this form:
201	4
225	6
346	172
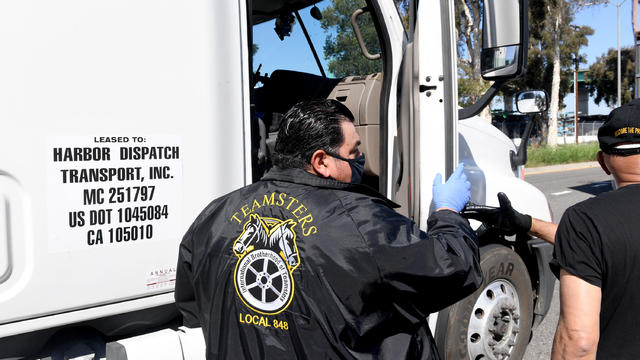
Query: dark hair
307	127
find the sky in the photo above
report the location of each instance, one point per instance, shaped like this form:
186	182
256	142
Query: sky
293	52
274	53
603	19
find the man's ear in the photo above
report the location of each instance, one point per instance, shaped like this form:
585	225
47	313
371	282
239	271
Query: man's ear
319	161
602	163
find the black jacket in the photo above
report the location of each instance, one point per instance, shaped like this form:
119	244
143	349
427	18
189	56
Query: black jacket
296	266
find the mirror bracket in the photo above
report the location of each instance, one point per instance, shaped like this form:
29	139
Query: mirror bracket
520	158
486	98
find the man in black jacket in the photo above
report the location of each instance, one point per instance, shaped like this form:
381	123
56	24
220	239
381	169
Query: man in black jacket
306	263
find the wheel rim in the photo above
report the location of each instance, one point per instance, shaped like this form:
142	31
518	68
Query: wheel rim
494	324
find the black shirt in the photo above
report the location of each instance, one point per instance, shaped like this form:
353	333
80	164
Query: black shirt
598	240
296	266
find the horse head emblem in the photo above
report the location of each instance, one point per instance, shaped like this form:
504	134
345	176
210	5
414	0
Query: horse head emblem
284	237
254	232
267	233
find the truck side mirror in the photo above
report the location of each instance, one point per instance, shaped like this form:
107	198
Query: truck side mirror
528	102
532	101
504	43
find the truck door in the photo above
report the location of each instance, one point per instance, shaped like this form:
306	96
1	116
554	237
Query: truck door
427	133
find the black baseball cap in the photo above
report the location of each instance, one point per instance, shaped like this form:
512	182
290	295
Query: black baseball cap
620	134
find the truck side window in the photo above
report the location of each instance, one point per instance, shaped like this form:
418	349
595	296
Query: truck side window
285	71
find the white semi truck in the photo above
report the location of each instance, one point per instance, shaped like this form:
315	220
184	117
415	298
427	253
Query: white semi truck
120	120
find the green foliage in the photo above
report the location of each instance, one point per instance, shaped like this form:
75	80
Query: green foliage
603	76
345	58
403	10
552	40
562	154
341	47
470	89
542	24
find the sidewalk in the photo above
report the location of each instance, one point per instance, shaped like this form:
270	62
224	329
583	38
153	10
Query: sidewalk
560	167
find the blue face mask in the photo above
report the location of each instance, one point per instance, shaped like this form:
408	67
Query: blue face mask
356	165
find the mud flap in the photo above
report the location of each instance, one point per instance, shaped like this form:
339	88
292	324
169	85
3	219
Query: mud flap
543	252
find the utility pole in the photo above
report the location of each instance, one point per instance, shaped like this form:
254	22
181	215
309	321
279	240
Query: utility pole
636	35
619	71
576	61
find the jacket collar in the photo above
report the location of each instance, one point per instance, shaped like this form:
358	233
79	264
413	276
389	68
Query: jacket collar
300	176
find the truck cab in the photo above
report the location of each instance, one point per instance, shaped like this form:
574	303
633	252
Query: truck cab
123	120
407	116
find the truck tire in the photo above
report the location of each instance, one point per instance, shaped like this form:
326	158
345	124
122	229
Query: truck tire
493	323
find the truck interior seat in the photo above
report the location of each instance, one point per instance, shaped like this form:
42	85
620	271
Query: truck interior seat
285	88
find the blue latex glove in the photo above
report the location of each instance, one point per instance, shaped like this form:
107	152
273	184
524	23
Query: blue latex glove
454	194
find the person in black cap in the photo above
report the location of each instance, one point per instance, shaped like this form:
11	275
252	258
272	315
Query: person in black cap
596	251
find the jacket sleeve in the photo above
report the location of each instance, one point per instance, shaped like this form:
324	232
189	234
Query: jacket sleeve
184	291
425	272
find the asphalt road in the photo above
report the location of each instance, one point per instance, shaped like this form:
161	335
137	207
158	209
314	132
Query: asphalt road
562	188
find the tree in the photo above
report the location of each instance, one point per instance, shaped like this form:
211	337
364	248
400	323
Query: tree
468	20
602	76
345	57
341	47
556	30
470	83
553	44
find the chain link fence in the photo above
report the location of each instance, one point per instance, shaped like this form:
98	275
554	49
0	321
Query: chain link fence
587	128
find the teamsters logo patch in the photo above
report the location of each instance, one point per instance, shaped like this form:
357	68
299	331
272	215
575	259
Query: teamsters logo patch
267	256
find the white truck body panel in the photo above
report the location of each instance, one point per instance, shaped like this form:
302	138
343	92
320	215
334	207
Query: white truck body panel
100	73
490	148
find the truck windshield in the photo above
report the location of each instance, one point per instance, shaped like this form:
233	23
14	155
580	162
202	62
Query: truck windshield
331	35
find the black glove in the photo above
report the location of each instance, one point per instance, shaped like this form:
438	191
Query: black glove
505	218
